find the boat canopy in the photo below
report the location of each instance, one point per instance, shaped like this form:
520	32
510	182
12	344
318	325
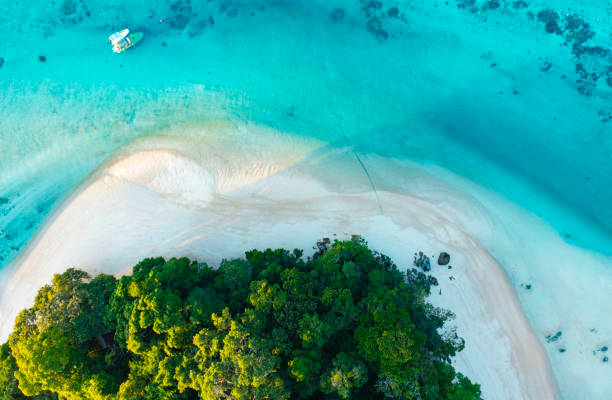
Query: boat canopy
117	36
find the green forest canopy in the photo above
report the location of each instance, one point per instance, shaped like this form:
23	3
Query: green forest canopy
345	323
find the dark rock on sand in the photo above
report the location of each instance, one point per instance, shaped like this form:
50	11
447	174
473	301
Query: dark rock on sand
422	262
42	58
1	62
393	12
443	258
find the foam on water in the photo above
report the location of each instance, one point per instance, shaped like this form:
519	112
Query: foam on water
479	89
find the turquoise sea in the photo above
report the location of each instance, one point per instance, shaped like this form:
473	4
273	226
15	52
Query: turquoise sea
515	96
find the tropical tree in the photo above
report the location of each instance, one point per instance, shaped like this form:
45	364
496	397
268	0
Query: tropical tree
60	344
345	323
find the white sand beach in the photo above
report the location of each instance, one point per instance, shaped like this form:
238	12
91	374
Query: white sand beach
224	193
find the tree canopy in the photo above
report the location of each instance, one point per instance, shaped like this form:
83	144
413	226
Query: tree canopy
343	324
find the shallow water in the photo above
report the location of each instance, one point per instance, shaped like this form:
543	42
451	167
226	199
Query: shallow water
480	88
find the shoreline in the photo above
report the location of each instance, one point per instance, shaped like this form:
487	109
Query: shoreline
133	205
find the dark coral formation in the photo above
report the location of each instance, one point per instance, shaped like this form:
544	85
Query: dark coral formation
469	5
546	66
229	9
605	115
73	11
517	5
69	7
551	21
491	5
378	18
374	26
609	76
592	61
11	229
577	32
393	12
337	14
182	14
198	27
553	338
370	7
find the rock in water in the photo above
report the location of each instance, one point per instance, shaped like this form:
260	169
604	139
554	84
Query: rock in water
1	62
443	258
